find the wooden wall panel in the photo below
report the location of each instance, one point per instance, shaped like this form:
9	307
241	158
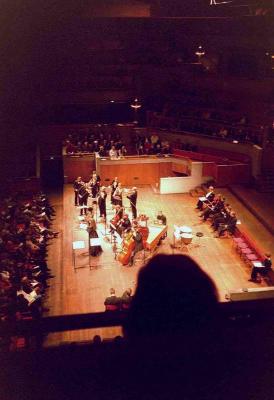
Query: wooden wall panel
165	170
130	174
74	167
233	174
180	168
209	169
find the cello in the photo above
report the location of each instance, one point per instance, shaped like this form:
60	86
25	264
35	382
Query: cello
128	245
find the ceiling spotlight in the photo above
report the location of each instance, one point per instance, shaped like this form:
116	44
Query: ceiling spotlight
200	52
135	104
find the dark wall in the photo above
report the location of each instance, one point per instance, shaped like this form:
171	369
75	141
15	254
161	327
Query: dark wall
55	54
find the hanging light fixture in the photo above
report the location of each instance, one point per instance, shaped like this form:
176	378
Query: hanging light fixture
135	105
200	52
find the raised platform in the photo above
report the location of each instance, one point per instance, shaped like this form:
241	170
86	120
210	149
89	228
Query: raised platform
259	204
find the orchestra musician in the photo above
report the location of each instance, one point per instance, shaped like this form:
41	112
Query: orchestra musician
94	184
76	186
92	234
113	186
124	225
89	215
83	194
119	212
102	202
118	195
133	200
161	218
138	241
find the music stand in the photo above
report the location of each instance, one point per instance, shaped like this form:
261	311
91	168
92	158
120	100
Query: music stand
77	245
93	242
199	235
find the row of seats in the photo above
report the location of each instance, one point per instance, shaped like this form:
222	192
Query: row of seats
248	250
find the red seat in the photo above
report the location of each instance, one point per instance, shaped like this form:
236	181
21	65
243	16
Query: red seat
125	306
242	245
246	251
237	240
112	307
251	257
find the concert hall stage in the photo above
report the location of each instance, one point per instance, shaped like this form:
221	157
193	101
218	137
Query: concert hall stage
85	289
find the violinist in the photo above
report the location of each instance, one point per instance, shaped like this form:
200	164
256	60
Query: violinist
76	186
133	200
94	184
102	202
83	195
119	211
118	195
114	185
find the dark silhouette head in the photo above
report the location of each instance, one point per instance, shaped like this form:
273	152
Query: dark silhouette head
173	296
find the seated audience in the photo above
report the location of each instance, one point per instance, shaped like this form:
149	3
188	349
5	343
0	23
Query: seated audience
229	226
208	198
112	303
213	208
25	230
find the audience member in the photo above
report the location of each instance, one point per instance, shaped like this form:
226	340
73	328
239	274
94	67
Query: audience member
262	270
173	296
112	302
25	230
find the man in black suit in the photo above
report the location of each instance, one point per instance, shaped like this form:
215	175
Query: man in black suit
76	186
208	198
112	302
83	194
102	202
133	200
229	226
161	218
263	269
138	239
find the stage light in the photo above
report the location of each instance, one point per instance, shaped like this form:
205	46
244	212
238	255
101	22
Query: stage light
200	52
136	105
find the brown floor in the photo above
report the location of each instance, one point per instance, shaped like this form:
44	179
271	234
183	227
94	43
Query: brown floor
85	289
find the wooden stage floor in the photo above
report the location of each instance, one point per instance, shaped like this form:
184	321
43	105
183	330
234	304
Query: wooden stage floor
85	289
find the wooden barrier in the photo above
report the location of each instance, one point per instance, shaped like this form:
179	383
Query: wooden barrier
135	170
75	166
